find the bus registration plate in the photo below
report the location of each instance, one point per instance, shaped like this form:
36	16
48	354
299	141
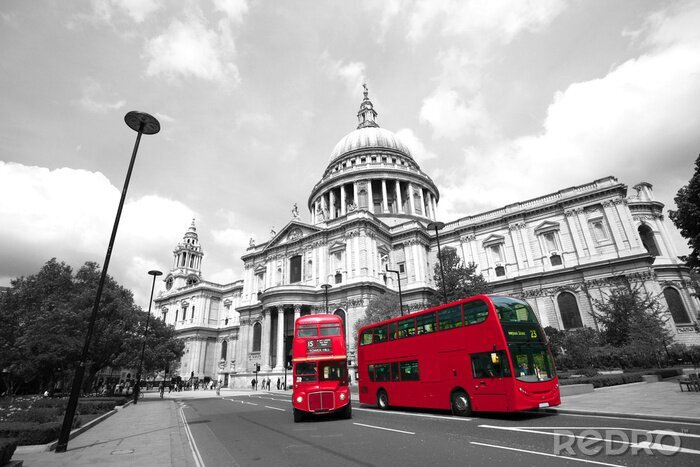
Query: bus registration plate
544	404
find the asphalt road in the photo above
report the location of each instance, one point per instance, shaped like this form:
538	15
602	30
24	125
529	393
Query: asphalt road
260	430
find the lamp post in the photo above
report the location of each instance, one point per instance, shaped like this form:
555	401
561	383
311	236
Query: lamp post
398	279
325	288
439	226
142	123
137	389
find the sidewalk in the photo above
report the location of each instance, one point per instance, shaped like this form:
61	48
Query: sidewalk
150	433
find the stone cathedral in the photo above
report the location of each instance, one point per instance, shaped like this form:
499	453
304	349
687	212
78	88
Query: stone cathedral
369	212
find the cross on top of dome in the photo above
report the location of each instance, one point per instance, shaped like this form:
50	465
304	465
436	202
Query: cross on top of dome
366	115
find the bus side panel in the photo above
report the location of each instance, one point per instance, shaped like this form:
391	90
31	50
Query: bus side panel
455	371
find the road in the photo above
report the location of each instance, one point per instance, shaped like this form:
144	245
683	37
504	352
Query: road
259	430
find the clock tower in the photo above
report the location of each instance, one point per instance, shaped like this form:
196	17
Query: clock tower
187	261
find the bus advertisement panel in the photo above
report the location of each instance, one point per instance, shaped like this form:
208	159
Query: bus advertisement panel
320	369
484	353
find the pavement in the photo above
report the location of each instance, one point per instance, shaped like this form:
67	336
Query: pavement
153	432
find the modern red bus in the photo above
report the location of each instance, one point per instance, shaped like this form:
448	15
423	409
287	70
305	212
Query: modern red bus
484	353
320	367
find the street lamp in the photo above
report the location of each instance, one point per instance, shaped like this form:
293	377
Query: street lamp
325	288
142	123
439	226
137	389
398	279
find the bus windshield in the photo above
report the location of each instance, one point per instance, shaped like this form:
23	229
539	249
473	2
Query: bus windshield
511	310
532	362
327	371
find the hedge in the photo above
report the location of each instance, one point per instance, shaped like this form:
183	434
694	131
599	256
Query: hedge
601	381
7	449
30	433
36	415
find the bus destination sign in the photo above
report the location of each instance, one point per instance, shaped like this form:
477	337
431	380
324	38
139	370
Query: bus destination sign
521	334
319	346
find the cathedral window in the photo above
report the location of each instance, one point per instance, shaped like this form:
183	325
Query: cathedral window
647	237
192	315
224	348
257	334
402	268
338	278
496	253
598	226
169	283
555	260
568	309
295	269
500	271
675	306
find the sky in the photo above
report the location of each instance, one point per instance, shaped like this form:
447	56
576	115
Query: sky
499	101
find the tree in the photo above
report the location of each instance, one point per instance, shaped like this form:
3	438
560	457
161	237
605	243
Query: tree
634	319
687	217
379	308
460	281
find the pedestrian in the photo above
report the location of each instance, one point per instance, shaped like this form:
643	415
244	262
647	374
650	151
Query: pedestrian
279	383
268	383
252	384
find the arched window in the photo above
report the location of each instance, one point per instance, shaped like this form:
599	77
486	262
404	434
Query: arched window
555	259
362	196
257	334
647	236
338	278
340	312
500	271
675	306
568	308
295	269
224	348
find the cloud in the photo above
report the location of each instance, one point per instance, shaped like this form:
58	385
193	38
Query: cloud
69	214
258	120
103	11
351	73
190	49
418	149
234	9
451	118
94	99
638	122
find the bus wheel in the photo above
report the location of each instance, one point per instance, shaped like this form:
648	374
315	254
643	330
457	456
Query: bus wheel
298	416
382	399
347	411
460	404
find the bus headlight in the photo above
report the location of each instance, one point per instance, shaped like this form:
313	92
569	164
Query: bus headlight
300	399
342	396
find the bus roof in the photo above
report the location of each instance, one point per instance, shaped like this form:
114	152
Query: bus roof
318	319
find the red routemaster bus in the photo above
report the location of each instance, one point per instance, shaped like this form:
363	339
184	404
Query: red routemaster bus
320	367
484	353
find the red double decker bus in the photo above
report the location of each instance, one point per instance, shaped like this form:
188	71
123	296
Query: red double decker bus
484	353
320	367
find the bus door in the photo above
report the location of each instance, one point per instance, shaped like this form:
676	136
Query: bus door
492	381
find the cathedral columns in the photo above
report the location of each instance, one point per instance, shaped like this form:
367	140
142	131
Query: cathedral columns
297	314
569	215
612	223
385	198
343	202
331	202
411	201
423	208
265	340
397	187
279	363
370	197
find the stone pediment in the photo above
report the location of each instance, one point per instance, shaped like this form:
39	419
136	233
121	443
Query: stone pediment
291	233
494	239
546	226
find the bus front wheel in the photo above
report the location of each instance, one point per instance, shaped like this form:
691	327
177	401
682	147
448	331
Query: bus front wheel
382	399
460	403
347	411
298	416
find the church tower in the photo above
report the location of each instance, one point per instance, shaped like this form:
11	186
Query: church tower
187	261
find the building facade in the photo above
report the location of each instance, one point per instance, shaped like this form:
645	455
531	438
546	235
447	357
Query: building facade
370	211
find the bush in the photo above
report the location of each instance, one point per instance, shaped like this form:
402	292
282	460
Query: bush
7	449
93	407
601	381
37	415
30	433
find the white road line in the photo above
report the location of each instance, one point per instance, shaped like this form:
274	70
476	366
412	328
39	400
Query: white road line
382	428
614	417
663	447
673	433
250	403
544	454
442	417
193	446
275	408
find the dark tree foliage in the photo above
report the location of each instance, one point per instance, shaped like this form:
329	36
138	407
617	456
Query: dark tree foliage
381	307
45	318
460	281
632	318
687	216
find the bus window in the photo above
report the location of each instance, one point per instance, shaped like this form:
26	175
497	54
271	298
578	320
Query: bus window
532	363
332	371
511	310
490	365
380	334
366	337
395	371
381	372
409	371
370	372
307	331
450	318
330	330
306	372
407	328
392	330
475	312
425	323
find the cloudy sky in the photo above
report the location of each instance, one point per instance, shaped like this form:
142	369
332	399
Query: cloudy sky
500	101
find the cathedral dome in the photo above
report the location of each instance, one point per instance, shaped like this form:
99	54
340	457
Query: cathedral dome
369	138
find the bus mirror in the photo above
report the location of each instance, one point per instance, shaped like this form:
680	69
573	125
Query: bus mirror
495	359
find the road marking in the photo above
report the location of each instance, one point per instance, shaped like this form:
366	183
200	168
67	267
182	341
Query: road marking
274	408
644	445
387	429
250	403
651	432
441	417
544	454
612	417
673	433
193	446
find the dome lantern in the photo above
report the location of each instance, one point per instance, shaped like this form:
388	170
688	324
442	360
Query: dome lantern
366	116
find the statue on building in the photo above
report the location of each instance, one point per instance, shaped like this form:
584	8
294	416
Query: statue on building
351	206
320	214
273	232
295	211
251	243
